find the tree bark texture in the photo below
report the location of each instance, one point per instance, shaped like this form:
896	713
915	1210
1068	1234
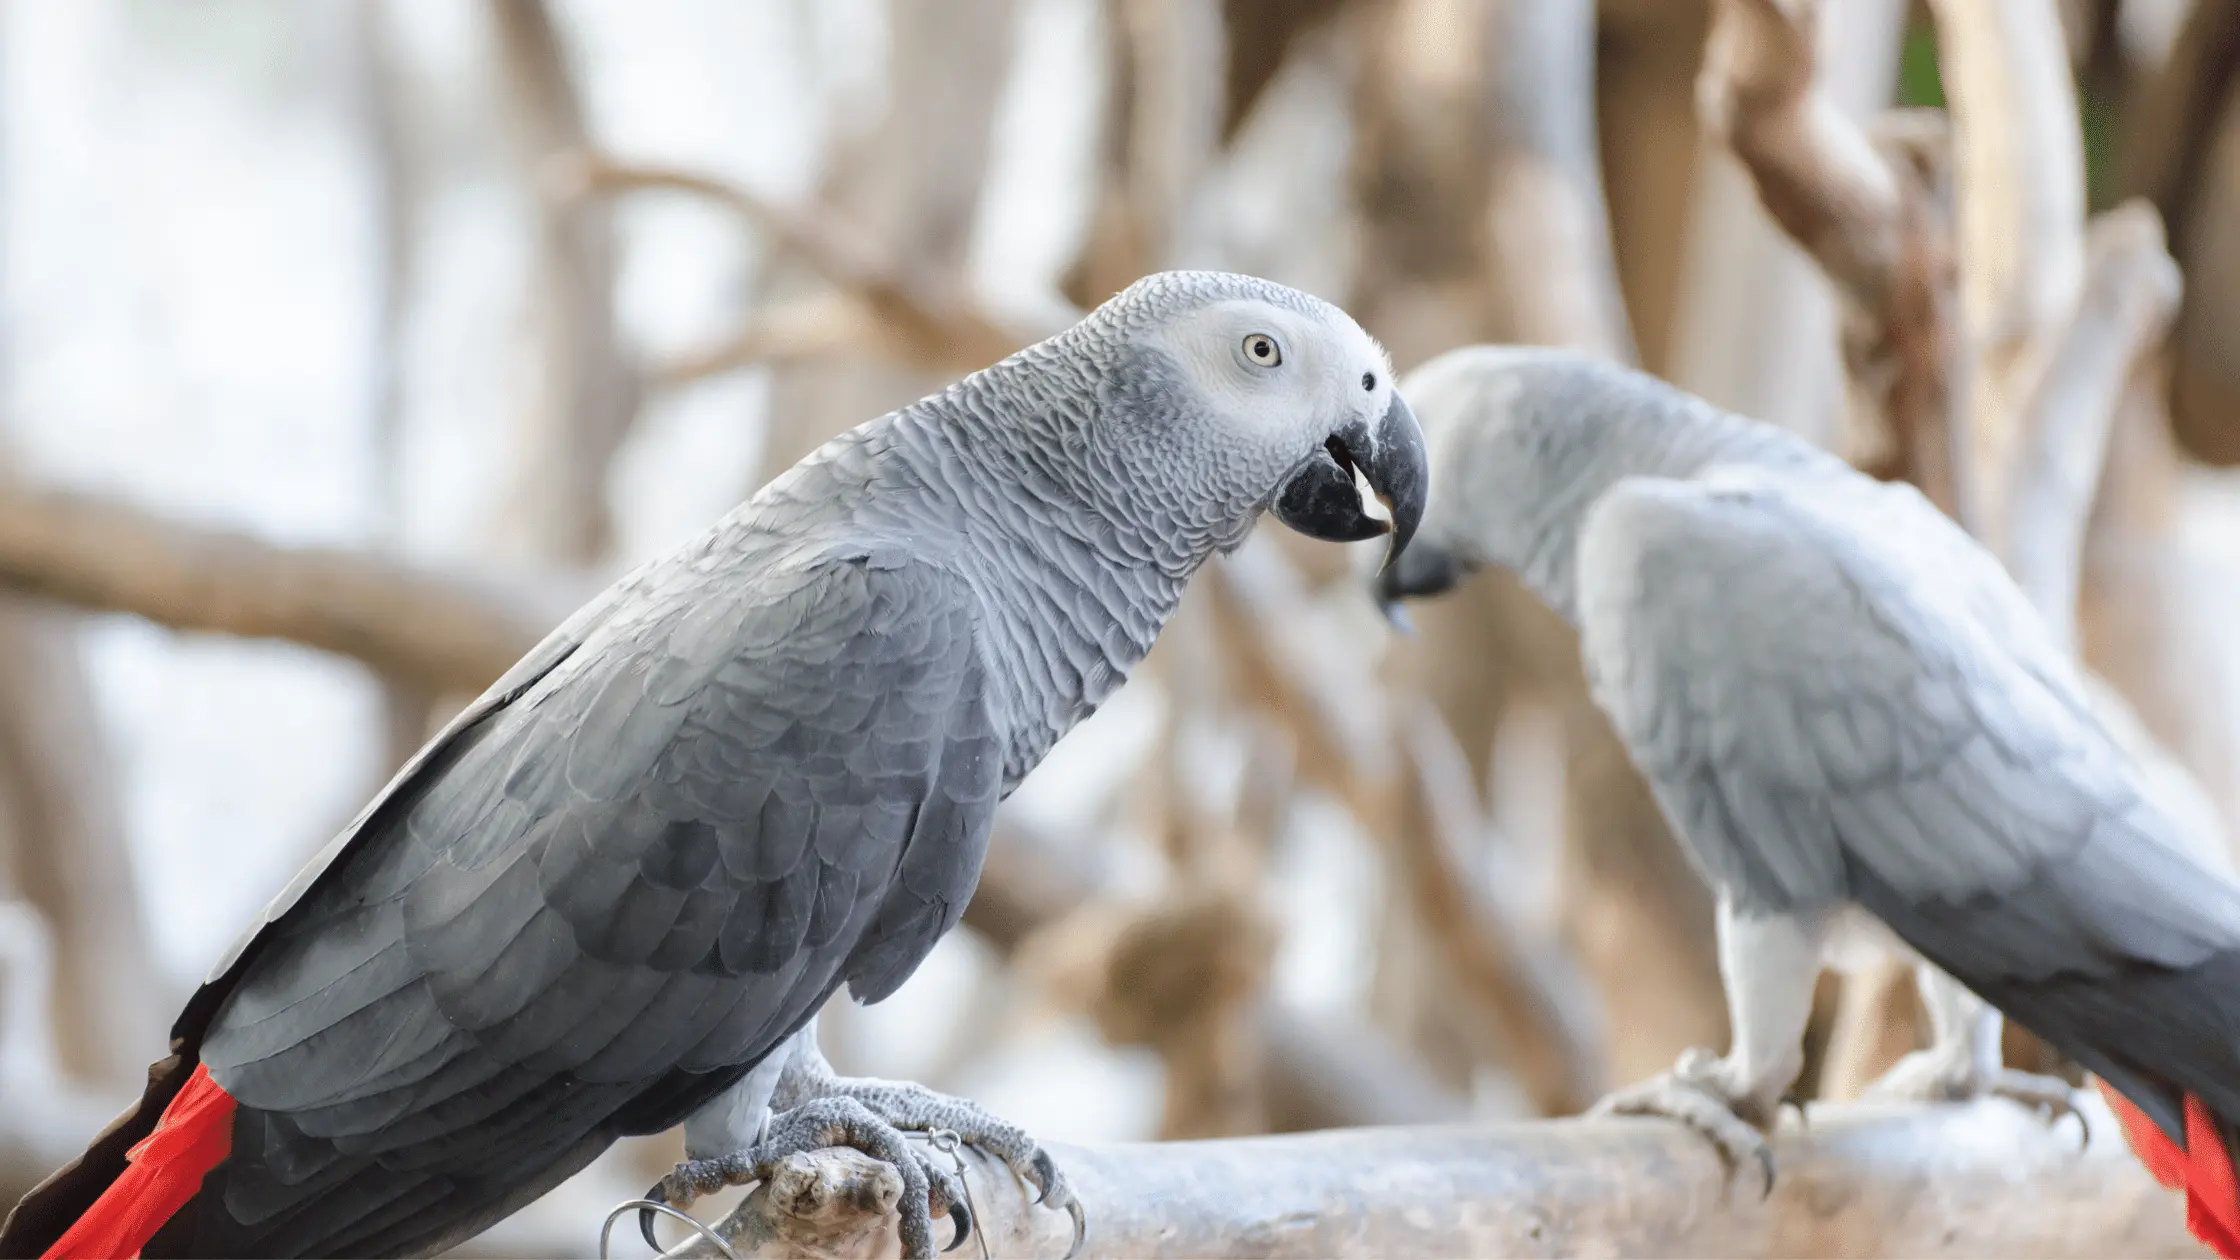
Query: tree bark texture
1976	1181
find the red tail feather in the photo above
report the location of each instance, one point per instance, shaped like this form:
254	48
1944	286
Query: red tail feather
160	1175
2203	1169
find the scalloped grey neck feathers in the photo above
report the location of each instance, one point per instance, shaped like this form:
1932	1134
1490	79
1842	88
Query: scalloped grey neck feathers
1079	555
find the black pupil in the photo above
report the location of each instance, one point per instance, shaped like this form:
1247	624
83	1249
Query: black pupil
1260	348
1368	380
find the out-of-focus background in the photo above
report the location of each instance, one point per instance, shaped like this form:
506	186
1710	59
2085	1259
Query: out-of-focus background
345	346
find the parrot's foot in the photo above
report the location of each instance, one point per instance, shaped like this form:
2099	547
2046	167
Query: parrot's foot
1699	1093
915	1108
927	1187
1936	1076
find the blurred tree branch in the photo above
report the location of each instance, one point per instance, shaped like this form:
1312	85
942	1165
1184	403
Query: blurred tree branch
1260	37
1549	1017
1629	908
408	709
2177	114
1167	107
1477	178
1397	767
53	1104
95	1010
1926	1182
2018	159
917	319
588	391
1760	327
2181	149
1547	226
909	187
448	632
1870	215
1320	1073
2130	294
69	856
2030	305
797	331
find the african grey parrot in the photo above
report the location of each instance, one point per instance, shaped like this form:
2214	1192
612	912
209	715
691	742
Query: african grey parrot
610	897
1844	705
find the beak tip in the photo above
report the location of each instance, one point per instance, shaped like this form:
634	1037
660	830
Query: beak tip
1399	536
1406	473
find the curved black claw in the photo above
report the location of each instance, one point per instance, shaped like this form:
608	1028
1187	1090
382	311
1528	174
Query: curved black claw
1080	1228
1045	1175
1051	1188
962	1215
645	1217
1765	1165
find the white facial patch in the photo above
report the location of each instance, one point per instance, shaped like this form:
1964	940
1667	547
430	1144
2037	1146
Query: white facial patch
1265	399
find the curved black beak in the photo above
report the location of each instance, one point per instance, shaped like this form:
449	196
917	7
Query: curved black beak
1321	499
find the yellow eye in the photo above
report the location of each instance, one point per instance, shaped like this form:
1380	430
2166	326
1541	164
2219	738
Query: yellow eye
1263	350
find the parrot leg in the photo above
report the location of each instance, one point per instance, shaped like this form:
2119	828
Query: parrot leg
1769	965
737	1139
1964	1060
809	1080
814	1126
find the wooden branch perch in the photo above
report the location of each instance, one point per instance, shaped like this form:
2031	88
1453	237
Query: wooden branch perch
449	632
1983	1180
1872	223
921	322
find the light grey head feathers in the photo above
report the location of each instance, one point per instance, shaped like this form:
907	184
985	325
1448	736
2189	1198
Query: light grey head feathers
1214	397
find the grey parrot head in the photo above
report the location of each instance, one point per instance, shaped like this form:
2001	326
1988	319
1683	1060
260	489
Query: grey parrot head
1510	431
1222	396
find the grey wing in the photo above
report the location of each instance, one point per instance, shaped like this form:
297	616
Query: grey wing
610	898
540	660
1836	699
